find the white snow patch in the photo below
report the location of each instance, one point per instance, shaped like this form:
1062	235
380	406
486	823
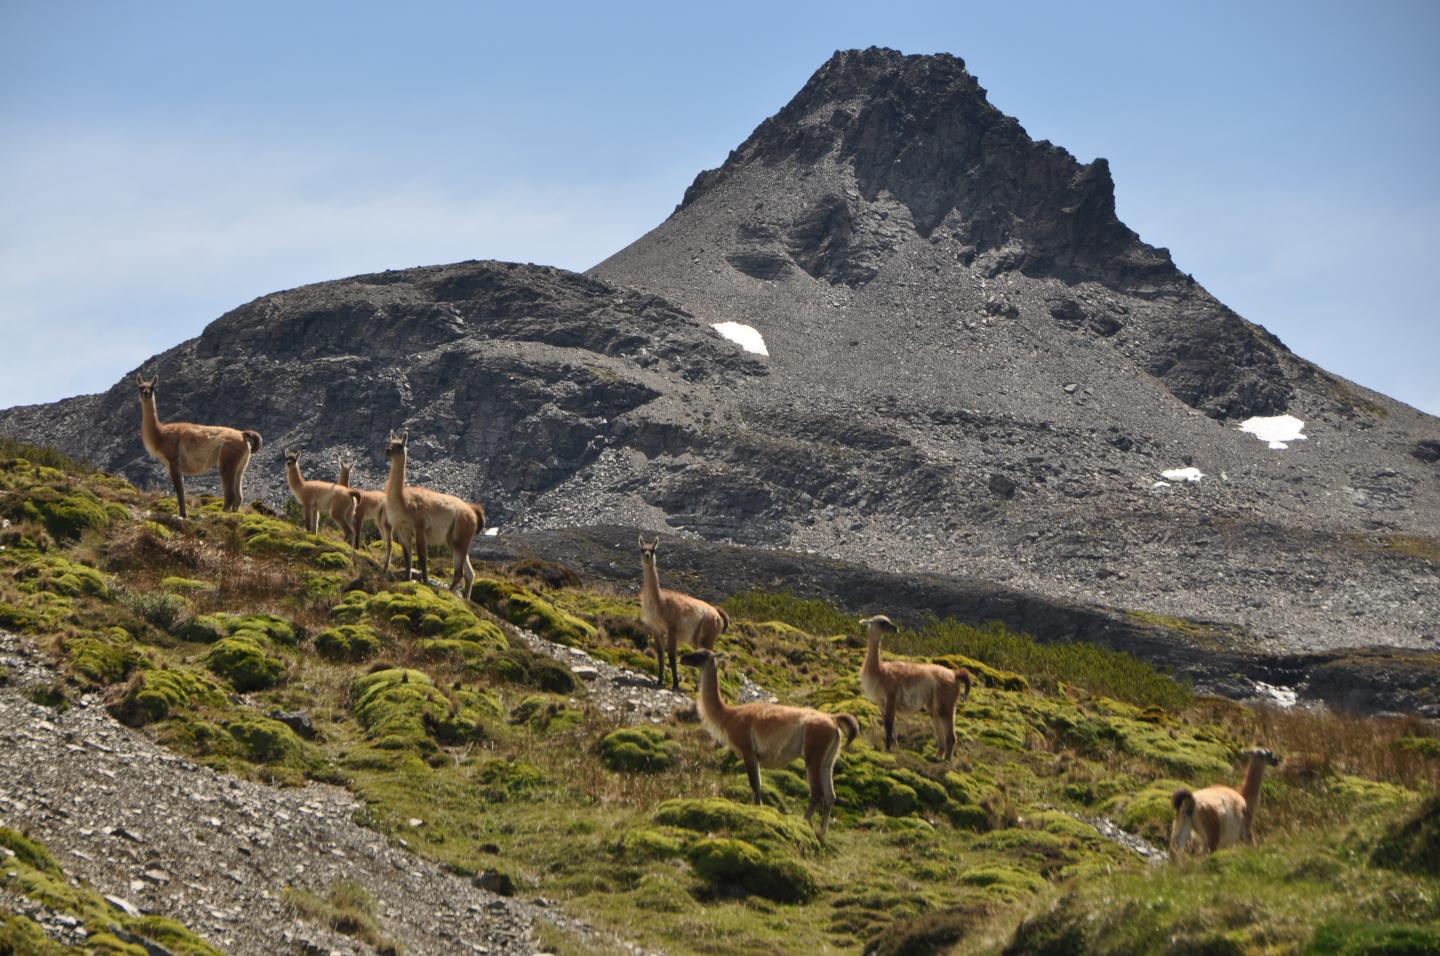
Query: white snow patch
1161	484
1277	430
1183	474
491	532
745	336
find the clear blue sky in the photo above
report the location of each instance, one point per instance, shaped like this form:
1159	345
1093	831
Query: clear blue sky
161	163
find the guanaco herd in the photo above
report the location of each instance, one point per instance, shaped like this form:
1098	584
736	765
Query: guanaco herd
761	734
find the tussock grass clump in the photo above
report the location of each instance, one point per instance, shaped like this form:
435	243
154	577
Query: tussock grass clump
524	608
546	715
347	908
262	535
520	665
1346	937
22	936
348	642
445	624
642	749
262	740
763	826
402	709
103	657
1414	844
928	932
870	780
18	454
47	498
159	692
729	864
162	609
244	660
55	574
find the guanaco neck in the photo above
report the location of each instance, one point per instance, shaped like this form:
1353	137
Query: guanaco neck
292	477
650	590
395	485
872	655
711	706
149	421
344	478
1250	790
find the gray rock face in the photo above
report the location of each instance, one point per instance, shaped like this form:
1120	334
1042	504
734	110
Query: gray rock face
974	367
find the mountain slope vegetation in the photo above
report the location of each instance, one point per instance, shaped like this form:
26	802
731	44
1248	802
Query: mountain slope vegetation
246	643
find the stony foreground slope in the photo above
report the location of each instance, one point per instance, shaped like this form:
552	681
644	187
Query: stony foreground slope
167	836
513	741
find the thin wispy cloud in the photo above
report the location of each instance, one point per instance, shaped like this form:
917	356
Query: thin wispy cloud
149	241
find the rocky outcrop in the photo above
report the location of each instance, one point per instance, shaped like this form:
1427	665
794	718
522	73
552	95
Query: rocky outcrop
509	378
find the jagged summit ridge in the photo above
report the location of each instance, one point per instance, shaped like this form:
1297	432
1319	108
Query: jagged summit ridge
919	128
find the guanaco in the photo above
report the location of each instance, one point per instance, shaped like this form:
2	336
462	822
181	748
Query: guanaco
317	496
1222	816
772	735
369	506
671	616
420	518
902	685
195	449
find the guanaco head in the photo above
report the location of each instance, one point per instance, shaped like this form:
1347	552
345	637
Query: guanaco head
879	624
291	457
700	658
397	445
647	549
1260	753
147	389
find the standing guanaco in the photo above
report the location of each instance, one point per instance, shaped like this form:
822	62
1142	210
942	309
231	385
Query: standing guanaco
902	685
672	616
369	506
317	496
420	518
195	449
1222	816
772	735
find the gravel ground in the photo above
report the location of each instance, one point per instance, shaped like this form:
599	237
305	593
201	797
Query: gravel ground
168	836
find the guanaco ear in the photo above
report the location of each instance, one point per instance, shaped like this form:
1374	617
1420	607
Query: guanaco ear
405	437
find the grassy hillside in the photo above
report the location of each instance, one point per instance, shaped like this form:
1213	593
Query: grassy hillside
474	751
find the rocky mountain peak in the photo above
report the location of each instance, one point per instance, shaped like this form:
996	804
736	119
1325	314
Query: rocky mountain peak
919	130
